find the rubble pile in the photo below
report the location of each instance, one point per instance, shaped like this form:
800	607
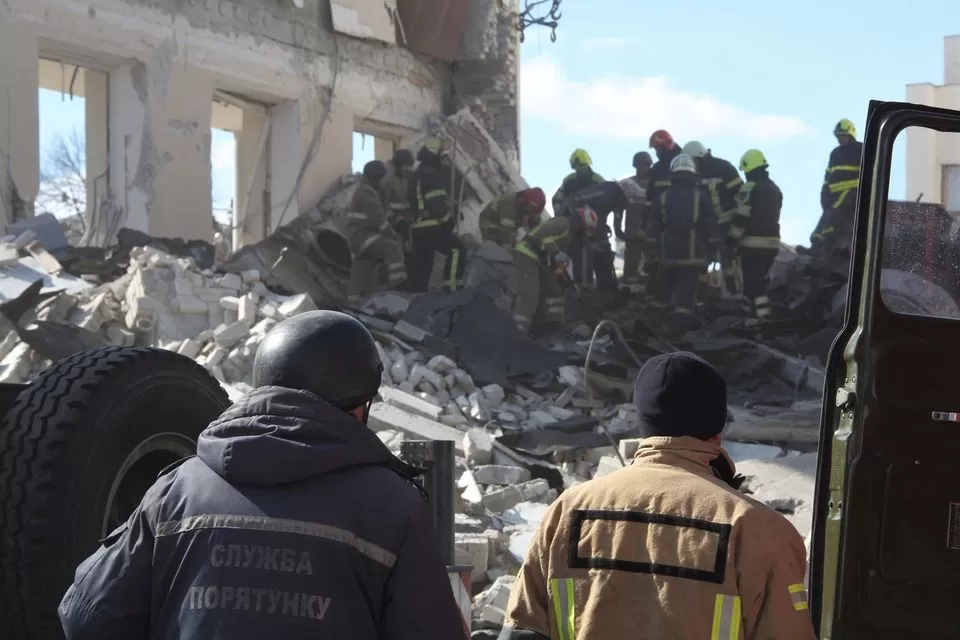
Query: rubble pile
528	418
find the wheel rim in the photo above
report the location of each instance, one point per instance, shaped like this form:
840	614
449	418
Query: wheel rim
139	471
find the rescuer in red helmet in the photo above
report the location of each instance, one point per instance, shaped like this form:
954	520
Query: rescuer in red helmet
501	218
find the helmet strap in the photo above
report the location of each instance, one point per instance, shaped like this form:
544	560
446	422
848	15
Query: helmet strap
366	412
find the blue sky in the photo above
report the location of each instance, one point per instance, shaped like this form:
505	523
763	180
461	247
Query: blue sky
761	75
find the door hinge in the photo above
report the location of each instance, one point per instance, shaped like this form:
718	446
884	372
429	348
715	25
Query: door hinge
846	399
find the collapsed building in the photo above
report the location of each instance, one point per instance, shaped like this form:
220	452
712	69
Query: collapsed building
293	79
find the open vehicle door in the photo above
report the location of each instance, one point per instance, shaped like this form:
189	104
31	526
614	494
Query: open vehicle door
886	535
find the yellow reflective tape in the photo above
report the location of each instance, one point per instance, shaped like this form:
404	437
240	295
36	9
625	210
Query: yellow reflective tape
267	524
844	185
454	263
736	182
525	249
509	223
726	618
843	167
564	609
420	203
798	592
436	193
761	242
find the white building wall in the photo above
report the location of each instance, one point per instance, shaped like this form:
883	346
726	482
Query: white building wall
933	158
165	60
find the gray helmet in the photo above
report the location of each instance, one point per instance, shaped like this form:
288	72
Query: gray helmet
326	353
374	171
641	157
402	158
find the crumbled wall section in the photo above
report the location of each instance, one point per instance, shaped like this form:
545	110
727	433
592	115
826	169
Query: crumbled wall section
486	75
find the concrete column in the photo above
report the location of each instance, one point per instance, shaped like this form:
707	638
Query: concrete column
284	164
160	147
19	119
293	127
383	149
96	107
253	152
333	158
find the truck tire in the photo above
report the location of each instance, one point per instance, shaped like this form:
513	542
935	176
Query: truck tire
78	450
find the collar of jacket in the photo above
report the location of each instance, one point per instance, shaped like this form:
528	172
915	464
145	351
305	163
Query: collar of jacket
691	454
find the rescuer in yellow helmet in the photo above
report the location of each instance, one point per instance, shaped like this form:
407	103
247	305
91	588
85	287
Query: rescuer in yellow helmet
838	196
754	231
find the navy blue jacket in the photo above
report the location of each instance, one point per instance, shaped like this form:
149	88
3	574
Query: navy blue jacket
293	521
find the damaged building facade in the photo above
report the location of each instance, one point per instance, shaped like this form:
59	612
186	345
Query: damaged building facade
292	79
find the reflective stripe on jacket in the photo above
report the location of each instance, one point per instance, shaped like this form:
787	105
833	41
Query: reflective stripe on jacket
572	184
500	219
547	238
722	181
842	176
394	193
685	225
366	219
662	549
293	521
429	197
756	221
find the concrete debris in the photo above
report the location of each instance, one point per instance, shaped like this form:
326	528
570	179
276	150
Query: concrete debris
530	418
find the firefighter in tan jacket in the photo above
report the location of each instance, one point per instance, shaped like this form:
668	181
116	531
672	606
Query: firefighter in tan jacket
667	547
503	215
373	242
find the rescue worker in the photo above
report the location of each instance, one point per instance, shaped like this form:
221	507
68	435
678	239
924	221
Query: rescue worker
723	182
685	223
394	191
591	252
754	231
666	149
635	191
582	177
501	218
434	222
292	521
667	547
838	196
540	268
373	241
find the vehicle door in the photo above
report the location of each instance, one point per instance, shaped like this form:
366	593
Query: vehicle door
885	553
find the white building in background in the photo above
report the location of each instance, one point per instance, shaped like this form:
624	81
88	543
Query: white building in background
933	159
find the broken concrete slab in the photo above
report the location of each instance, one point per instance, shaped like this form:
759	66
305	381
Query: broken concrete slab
774	425
786	484
386	416
480	163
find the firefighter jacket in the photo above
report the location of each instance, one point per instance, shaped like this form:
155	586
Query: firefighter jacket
685	222
635	191
660	176
393	190
842	177
293	521
664	548
366	220
500	219
573	184
429	197
756	220
722	181
549	238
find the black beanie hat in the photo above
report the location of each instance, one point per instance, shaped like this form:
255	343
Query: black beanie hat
680	394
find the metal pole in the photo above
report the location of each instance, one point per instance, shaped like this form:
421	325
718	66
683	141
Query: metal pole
437	458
